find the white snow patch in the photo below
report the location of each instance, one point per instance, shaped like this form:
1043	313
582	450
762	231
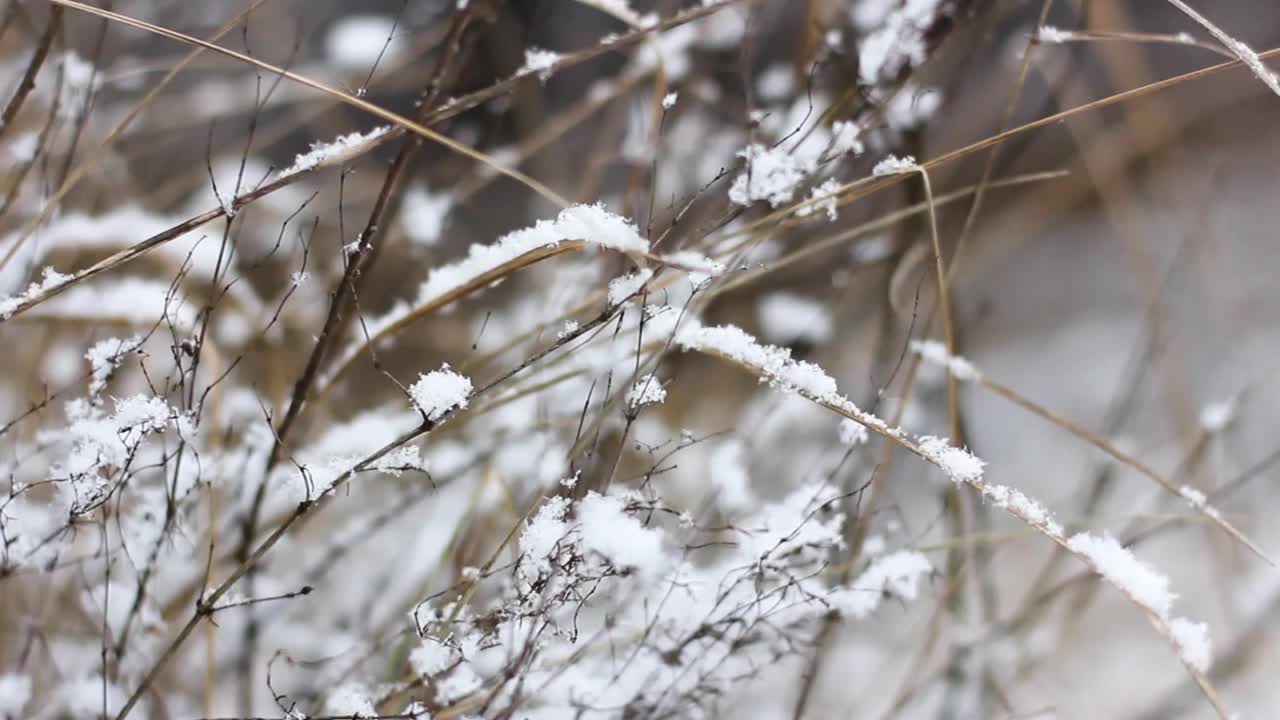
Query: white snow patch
894	165
539	61
338	150
356	41
647	390
440	391
786	317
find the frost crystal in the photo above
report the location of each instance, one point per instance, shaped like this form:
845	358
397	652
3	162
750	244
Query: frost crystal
894	165
539	61
1198	501
440	391
1250	58
1193	497
700	267
431	657
1119	566
898	40
49	279
1148	588
570	327
776	363
140	415
959	465
338	150
401	459
589	223
1007	498
619	537
647	391
1192	639
624	287
1050	34
545	530
104	357
350	700
846	138
771	174
896	574
824	197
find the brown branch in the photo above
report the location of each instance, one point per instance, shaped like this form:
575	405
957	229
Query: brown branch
33	68
305	508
